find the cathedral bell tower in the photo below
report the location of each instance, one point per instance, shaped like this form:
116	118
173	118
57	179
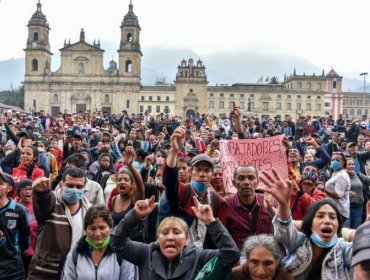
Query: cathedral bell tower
38	55
129	50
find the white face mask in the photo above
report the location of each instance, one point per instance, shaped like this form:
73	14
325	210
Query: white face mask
159	160
41	149
311	151
7	152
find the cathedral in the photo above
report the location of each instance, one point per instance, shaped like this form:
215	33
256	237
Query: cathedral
82	83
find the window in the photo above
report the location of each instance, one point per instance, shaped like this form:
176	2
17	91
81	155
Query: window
252	95
211	94
158	98
319	85
327	104
231	105
166	109
231	94
334	84
308	106
158	109
35	65
106	98
128	67
141	108
211	104
278	106
149	108
298	97
35	36
299	85
241	105
318	97
318	107
345	112
265	106
279	96
309	85
127	103
81	68
150	98
299	106
366	112
289	96
358	111
308	96
167	98
251	105
55	98
221	105
142	98
289	106
242	95
34	104
129	37
221	94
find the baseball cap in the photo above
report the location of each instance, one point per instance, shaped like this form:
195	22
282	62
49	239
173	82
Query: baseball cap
78	136
200	158
193	152
8	178
26	135
363	124
350	144
22	184
361	244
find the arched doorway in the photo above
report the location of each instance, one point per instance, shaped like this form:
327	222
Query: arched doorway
190	113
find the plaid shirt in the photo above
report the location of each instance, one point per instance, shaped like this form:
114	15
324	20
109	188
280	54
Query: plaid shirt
239	218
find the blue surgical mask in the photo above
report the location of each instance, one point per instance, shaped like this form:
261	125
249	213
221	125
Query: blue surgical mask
199	187
322	244
71	195
335	165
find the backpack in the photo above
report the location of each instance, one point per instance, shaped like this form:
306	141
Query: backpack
214	203
75	257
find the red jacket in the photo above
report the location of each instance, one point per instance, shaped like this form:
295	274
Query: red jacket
20	173
303	202
58	153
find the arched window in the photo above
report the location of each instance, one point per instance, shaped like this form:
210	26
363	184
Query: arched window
129	37
345	111
35	36
81	68
359	112
128	66
35	65
55	98
334	84
352	112
106	99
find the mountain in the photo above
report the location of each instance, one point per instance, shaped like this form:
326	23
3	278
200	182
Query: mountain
221	68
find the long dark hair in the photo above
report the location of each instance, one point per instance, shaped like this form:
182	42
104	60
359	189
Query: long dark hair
306	227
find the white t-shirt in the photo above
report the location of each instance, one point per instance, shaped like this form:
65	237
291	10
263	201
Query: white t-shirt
341	184
77	227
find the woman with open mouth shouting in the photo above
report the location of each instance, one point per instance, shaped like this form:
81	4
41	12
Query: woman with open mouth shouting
315	252
170	257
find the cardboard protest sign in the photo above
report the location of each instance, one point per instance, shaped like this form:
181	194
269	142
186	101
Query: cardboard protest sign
263	154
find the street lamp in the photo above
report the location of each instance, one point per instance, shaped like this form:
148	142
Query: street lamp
364	74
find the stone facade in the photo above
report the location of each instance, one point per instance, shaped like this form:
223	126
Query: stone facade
81	83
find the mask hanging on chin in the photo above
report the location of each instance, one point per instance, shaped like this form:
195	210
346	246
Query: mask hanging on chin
322	244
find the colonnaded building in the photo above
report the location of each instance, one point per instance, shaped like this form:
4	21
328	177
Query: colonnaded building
81	83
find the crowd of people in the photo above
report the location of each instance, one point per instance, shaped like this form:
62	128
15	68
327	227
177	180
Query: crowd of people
142	196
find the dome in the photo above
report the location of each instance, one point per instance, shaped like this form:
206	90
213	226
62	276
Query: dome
38	18
130	19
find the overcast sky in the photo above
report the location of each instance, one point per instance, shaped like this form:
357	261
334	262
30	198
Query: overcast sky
329	33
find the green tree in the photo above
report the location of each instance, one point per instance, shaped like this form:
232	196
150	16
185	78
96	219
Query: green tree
274	80
13	97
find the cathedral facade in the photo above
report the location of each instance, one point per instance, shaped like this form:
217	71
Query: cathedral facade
82	83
